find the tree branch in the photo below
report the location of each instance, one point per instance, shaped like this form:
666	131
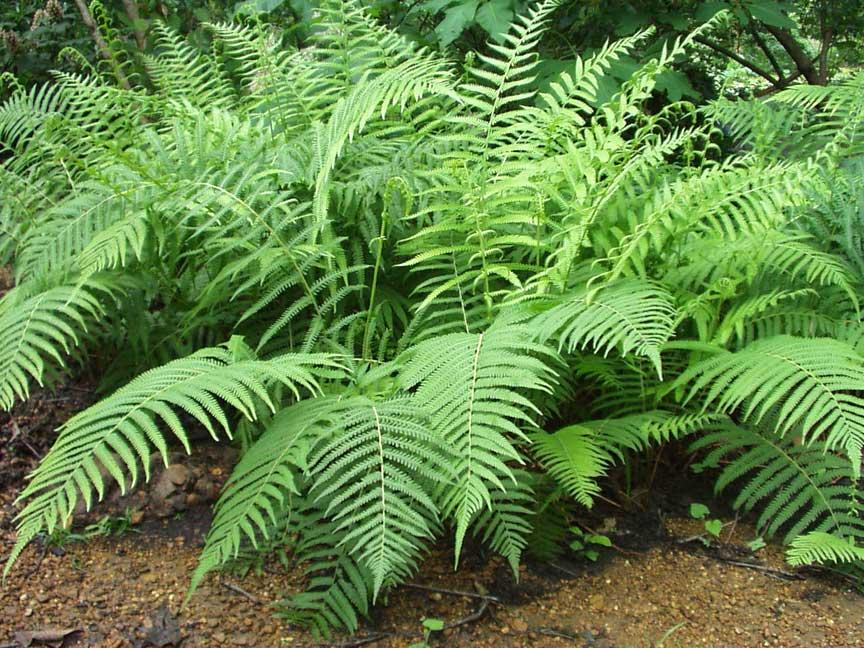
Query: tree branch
728	53
131	7
764	47
104	50
798	55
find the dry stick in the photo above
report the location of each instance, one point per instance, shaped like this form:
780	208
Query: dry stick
131	7
776	573
564	570
552	632
474	616
104	50
439	590
239	590
16	432
38	564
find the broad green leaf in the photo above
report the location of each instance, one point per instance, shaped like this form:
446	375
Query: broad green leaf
771	13
495	17
456	19
698	511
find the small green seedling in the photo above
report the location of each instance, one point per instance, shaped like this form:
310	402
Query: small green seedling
756	544
110	526
430	625
586	544
712	526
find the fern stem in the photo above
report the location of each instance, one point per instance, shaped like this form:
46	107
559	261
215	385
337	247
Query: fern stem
370	307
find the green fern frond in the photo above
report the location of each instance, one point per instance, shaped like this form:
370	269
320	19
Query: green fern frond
472	385
257	494
119	432
818	548
798	488
629	316
575	458
372	477
506	526
45	326
339	586
812	384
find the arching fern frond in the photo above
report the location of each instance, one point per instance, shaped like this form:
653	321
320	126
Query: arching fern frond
575	458
472	385
798	488
373	477
339	585
819	548
120	431
630	316
43	327
578	455
257	494
507	526
813	384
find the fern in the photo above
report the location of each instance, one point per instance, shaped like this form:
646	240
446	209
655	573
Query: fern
821	548
797	487
258	493
371	476
812	384
625	316
119	432
42	326
453	298
469	383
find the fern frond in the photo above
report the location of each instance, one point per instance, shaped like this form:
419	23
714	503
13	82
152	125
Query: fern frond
371	476
472	385
45	326
506	526
819	548
339	585
812	384
575	458
629	316
798	488
257	494
119	432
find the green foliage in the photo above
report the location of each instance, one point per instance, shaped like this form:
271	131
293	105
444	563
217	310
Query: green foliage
428	299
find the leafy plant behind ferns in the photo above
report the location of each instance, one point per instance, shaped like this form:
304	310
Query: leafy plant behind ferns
388	274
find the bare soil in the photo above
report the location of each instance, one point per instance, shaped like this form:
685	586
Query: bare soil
658	586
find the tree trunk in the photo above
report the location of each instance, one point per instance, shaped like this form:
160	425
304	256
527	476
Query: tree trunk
798	55
131	7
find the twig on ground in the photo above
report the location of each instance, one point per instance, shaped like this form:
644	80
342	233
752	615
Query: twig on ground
474	616
732	530
378	636
771	571
427	588
239	590
38	564
552	632
564	570
16	433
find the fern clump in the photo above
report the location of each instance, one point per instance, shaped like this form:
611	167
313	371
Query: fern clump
395	273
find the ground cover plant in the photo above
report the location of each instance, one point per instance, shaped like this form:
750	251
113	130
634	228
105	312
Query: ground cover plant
431	299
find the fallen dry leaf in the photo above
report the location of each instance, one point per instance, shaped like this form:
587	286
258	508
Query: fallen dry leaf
48	637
